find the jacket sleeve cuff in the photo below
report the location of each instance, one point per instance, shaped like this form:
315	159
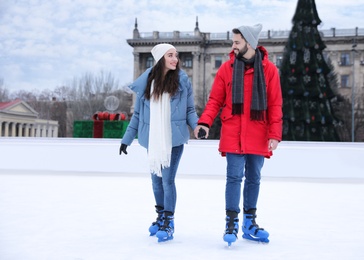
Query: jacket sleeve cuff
203	124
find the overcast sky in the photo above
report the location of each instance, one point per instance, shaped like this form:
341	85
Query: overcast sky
45	44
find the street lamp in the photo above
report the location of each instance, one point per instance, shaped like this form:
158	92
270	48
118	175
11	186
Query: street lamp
353	94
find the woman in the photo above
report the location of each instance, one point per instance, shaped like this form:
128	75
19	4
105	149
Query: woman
164	108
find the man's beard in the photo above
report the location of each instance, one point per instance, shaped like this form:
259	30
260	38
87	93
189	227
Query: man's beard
242	52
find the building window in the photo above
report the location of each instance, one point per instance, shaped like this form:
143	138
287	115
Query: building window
345	81
345	59
150	62
187	63
279	60
218	61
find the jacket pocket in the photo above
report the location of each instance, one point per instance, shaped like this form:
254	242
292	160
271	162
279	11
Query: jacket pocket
180	133
226	114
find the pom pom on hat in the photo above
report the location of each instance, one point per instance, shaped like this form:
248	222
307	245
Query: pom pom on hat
251	34
159	50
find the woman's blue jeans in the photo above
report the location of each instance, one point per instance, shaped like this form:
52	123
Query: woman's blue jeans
164	188
238	166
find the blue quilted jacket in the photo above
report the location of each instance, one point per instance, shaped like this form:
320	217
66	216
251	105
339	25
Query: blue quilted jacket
183	113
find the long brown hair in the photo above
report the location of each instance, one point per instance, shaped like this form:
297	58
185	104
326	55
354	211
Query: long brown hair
168	83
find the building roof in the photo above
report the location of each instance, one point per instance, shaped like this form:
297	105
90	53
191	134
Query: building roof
4	105
17	107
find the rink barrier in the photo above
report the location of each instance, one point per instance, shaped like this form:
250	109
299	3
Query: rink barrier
88	155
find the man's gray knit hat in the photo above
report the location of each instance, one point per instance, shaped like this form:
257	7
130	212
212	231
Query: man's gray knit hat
251	34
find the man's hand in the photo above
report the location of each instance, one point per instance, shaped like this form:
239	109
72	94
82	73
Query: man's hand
272	144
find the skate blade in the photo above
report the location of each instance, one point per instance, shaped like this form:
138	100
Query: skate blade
229	239
256	239
164	237
161	240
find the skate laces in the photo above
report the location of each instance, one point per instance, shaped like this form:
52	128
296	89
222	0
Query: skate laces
158	220
168	226
232	225
168	222
253	224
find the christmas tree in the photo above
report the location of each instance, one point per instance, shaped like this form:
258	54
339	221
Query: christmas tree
307	96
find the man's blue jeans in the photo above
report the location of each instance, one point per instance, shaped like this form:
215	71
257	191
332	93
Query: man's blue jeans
164	188
238	166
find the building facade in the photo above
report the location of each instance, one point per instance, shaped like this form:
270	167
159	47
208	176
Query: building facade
18	119
201	54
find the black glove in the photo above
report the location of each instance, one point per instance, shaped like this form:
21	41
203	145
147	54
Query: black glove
123	149
201	134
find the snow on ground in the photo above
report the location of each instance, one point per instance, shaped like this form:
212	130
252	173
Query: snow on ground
48	215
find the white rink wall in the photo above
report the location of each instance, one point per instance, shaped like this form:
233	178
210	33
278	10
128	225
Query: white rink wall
291	159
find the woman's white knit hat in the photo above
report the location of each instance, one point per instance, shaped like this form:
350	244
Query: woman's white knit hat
159	50
251	34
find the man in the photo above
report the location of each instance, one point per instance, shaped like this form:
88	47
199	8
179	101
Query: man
248	92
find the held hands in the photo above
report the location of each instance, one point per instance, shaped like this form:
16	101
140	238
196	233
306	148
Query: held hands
201	132
123	149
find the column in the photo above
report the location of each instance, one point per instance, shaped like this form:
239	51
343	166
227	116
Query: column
49	131
6	129
26	130
19	127
136	64
32	130
196	76
207	78
38	131
136	74
55	131
13	129
44	131
1	128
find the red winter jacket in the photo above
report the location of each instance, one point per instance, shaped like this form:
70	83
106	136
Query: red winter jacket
238	133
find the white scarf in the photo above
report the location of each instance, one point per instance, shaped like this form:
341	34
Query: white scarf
160	133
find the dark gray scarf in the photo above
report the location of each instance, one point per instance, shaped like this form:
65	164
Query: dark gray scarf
259	97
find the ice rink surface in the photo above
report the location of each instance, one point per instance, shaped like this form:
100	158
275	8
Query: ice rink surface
49	215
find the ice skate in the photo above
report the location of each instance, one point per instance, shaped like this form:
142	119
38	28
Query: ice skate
153	229
166	231
251	230
232	227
